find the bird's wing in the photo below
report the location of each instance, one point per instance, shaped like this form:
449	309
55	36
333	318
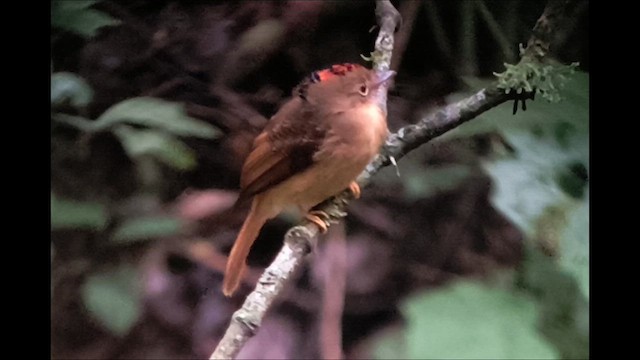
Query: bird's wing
286	147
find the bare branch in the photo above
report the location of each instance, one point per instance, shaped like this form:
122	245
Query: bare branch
247	320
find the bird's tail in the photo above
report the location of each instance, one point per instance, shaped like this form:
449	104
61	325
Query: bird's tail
236	263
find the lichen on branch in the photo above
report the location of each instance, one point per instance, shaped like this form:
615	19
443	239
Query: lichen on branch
529	76
537	72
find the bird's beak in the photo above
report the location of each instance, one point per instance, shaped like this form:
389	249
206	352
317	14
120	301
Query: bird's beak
383	76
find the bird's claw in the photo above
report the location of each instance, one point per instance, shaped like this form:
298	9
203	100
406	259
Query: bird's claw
319	218
355	189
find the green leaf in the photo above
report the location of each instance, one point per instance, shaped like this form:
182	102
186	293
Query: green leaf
470	321
155	114
159	145
574	179
75	4
574	246
422	183
146	228
551	161
525	186
78	122
390	344
112	298
76	16
66	86
564	312
543	188
68	214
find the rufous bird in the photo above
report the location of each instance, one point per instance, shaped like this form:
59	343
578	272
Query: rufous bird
313	148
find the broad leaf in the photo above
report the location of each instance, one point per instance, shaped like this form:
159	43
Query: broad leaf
77	16
543	188
147	228
574	248
422	183
76	4
469	321
156	114
112	298
69	214
564	312
159	145
526	186
66	86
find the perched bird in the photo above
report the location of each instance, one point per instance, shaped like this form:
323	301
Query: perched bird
313	148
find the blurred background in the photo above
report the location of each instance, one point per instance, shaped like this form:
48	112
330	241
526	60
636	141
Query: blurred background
478	249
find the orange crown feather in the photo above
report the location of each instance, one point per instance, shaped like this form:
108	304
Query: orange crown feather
324	75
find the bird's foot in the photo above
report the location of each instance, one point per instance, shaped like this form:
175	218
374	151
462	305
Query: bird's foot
319	218
355	189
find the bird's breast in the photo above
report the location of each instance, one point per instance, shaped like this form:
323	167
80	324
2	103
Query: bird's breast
354	138
357	133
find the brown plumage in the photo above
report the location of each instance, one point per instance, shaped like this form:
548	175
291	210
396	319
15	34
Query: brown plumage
313	148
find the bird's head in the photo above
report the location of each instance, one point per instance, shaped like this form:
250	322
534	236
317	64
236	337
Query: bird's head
344	86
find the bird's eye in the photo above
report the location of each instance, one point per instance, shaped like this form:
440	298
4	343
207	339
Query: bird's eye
363	90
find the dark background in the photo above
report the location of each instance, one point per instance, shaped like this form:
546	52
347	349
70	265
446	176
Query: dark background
478	250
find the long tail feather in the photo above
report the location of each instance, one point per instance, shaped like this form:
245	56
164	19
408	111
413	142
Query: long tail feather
236	263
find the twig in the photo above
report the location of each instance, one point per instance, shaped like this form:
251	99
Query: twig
409	12
334	278
299	240
467	36
389	20
511	21
500	36
437	27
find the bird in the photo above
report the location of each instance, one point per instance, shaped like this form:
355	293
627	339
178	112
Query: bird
312	148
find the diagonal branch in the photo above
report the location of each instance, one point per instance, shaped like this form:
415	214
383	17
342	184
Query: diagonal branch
300	240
